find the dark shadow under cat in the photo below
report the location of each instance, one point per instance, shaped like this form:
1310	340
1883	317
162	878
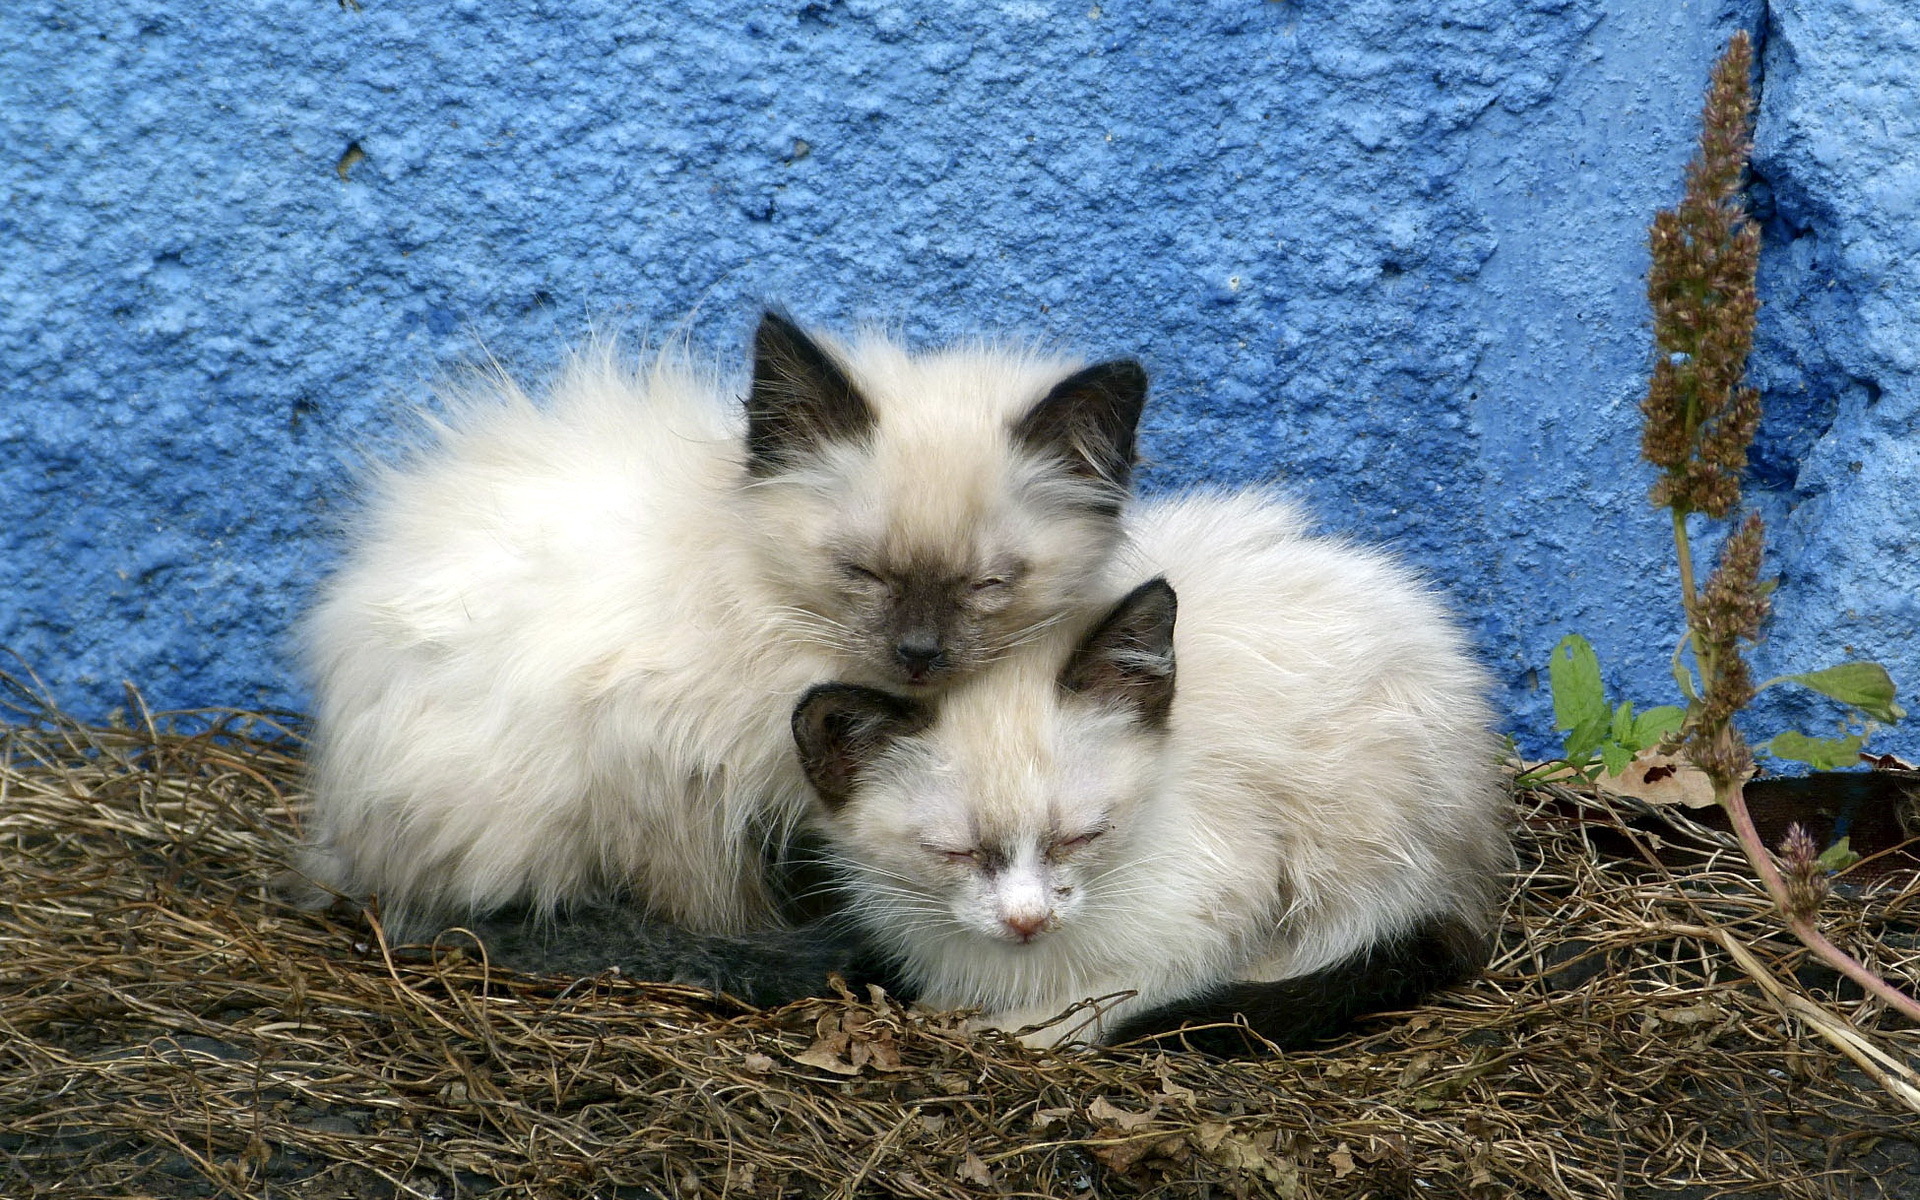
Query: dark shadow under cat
766	968
773	967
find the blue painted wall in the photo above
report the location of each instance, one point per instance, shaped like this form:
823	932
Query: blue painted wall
1390	253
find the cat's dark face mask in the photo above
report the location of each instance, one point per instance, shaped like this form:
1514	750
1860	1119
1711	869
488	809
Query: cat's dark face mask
923	517
924	623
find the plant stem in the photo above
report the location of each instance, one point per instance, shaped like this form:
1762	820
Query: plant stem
1702	657
1734	800
1682	677
1683	549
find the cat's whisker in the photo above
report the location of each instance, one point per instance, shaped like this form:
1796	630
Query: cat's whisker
853	867
812	618
1028	634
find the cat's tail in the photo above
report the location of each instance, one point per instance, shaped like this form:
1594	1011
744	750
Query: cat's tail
1395	972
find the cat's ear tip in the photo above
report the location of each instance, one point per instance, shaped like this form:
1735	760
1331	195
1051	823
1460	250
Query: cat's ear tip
810	711
1155	592
824	701
1122	376
840	728
776	321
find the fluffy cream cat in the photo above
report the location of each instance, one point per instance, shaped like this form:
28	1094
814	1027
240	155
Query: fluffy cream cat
561	652
1309	825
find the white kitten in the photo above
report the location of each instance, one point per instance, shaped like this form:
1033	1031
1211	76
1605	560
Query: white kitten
1316	803
563	647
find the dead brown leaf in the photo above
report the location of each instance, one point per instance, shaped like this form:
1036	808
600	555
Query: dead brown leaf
849	1043
829	1049
823	1055
1383	1146
1103	1109
1239	1153
1171	1091
1341	1160
973	1169
1120	1157
1209	1135
1661	779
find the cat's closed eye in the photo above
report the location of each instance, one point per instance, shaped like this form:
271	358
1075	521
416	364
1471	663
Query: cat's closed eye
1065	846
998	578
952	856
859	576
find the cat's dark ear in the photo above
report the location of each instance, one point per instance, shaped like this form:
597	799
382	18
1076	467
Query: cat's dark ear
1128	658
840	728
800	400
1089	419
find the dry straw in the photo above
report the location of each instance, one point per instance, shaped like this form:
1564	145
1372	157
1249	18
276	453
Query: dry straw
167	1029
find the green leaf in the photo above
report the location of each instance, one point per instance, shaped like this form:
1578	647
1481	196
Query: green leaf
1616	757
1622	728
1579	698
1822	754
1651	727
1837	857
1583	740
1864	685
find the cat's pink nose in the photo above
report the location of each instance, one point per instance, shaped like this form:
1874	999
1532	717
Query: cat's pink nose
1027	924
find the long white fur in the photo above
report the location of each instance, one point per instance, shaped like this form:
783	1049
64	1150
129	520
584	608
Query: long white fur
564	645
1326	779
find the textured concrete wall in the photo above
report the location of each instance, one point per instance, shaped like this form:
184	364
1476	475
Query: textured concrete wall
1838	155
1391	253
